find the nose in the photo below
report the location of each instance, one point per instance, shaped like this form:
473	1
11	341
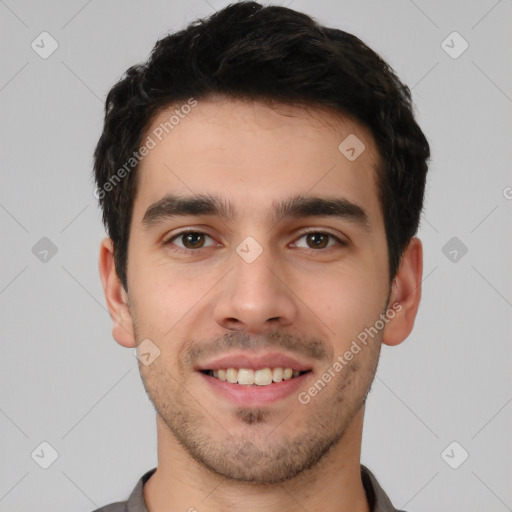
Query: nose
255	296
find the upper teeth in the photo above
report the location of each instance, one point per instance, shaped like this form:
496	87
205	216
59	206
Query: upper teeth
261	377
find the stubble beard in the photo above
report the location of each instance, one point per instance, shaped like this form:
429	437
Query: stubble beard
262	454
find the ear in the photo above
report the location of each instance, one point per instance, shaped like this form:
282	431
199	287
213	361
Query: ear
405	294
116	296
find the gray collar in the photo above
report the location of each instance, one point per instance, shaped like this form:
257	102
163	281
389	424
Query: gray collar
377	498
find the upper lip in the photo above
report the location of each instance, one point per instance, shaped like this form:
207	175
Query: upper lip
254	361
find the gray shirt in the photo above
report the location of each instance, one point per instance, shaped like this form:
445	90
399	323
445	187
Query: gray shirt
377	498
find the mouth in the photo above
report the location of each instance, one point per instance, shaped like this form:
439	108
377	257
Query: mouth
251	377
255	379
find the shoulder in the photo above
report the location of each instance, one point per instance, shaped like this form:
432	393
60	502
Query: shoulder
377	498
120	506
135	502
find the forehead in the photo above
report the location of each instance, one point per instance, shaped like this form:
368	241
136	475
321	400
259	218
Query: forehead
254	153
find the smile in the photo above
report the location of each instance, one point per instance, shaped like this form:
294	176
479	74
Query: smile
250	377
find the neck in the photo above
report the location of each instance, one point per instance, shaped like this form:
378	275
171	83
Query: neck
181	483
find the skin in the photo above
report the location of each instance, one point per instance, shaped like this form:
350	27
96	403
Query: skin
212	454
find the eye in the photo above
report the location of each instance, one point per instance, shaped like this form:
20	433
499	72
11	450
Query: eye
190	240
318	240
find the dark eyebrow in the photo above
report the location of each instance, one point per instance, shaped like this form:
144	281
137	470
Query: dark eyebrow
173	206
298	206
310	206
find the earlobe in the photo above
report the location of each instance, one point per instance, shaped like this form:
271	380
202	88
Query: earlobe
116	297
405	294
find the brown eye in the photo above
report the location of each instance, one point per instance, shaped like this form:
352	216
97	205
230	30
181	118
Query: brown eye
317	240
191	240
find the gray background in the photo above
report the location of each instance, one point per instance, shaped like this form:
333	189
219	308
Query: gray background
64	380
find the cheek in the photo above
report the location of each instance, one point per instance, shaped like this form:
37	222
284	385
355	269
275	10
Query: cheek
346	301
161	301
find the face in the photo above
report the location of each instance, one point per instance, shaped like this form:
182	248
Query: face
257	249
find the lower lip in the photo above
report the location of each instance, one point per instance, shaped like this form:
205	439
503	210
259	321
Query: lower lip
255	396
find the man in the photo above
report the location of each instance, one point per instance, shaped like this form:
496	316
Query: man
261	179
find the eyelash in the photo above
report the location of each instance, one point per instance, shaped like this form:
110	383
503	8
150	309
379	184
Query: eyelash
303	234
